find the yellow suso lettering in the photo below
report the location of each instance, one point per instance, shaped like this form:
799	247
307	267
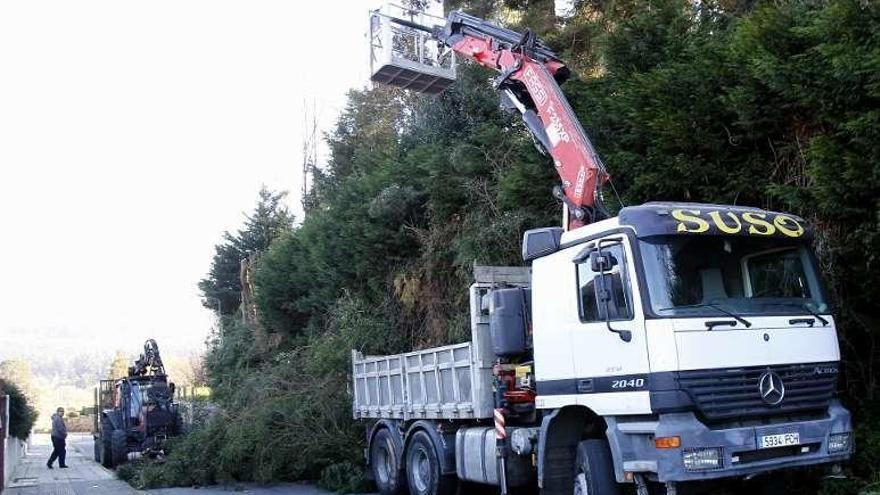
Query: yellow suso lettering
788	226
757	220
683	216
723	227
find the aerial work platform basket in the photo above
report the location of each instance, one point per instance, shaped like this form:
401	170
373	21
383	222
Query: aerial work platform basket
410	58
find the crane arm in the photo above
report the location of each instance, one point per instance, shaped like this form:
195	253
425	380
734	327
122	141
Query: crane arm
529	78
150	362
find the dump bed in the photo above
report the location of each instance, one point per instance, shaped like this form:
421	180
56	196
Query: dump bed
443	382
449	382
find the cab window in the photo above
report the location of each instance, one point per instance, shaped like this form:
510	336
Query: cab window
616	284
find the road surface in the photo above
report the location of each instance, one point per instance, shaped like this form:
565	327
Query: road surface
87	477
31	477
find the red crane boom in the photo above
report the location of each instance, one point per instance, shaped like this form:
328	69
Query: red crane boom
529	78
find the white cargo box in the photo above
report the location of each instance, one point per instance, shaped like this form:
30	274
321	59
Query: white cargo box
410	58
443	382
449	382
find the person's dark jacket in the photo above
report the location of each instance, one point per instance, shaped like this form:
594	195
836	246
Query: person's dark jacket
59	429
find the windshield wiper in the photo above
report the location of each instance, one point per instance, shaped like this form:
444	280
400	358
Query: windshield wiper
806	308
714	306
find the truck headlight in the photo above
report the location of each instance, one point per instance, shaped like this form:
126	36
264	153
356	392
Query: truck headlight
702	459
839	443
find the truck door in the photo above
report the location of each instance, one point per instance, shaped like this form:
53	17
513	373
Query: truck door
608	340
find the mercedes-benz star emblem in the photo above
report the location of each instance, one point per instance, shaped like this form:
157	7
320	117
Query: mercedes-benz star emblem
771	387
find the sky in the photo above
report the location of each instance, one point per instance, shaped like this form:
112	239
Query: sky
132	134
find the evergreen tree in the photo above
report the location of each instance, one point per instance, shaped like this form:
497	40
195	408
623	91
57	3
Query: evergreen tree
269	220
22	414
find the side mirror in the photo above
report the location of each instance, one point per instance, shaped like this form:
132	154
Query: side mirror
606	305
600	261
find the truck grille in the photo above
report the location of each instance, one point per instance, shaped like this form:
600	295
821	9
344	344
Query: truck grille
724	394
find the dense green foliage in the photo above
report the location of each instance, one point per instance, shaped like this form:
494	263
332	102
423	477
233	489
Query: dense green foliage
222	286
771	104
192	461
22	414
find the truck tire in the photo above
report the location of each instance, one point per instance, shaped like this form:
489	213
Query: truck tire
594	470
96	442
105	446
386	464
119	447
423	473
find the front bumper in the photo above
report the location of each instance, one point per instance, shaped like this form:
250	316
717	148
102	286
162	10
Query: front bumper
632	445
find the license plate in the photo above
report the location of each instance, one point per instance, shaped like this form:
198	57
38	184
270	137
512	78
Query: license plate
781	440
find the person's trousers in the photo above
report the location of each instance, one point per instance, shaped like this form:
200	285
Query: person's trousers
58	451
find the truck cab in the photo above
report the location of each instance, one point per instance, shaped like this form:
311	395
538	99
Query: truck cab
700	334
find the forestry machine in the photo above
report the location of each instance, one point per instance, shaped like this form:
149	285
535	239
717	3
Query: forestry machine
136	413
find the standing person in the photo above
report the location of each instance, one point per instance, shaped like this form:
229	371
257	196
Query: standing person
59	434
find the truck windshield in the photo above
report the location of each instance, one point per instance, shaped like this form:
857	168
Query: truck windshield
743	275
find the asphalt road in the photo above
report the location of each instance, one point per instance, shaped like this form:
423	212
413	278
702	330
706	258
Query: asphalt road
83	477
86	445
87	477
286	489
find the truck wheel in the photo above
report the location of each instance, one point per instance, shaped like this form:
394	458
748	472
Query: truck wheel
119	447
594	470
96	442
105	446
423	472
385	462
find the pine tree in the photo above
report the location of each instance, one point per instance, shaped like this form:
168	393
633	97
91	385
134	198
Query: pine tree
269	220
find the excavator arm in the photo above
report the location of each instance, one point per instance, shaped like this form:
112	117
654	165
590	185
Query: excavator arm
529	75
149	363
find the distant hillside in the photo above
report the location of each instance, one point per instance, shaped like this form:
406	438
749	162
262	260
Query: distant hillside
64	370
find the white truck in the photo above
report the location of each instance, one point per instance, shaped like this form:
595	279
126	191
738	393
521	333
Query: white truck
670	346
